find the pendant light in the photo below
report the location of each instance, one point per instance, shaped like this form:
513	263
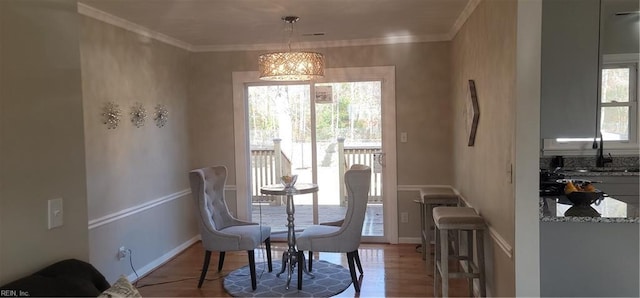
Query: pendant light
291	65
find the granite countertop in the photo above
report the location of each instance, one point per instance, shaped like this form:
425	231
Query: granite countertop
597	172
612	210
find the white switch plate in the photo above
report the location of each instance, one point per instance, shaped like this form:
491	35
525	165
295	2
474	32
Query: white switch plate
404	217
55	213
403	137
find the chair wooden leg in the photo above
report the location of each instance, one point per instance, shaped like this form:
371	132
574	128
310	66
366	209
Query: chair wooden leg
252	268
300	265
205	267
352	270
357	258
267	244
310	260
221	261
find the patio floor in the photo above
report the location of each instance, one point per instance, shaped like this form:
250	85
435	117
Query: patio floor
276	217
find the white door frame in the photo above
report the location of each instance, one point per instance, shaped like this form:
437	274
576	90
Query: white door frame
385	74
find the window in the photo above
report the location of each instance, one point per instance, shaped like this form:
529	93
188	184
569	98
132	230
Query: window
618	102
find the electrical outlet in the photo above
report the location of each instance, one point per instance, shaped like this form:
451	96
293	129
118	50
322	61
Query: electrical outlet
404	217
122	252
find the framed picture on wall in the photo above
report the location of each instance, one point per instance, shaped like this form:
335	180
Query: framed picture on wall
324	94
472	112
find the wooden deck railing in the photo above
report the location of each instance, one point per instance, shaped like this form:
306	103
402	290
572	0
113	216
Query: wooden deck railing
264	170
364	156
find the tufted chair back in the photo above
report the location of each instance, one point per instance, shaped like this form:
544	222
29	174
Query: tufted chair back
358	181
207	187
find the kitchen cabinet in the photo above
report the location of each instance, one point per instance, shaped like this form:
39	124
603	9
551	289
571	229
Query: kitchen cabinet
589	259
569	70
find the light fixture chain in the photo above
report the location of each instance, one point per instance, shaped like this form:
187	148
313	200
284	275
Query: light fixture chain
290	36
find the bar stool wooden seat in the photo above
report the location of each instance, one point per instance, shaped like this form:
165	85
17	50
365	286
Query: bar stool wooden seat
466	220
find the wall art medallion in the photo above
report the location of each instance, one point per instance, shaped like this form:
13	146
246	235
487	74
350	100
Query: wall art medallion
472	113
111	115
138	114
161	115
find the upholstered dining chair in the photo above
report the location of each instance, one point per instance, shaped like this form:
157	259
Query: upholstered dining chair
219	230
346	237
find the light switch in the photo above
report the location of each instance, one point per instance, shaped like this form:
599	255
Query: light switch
403	137
55	213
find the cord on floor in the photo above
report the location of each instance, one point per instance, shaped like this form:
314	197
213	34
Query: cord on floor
134	270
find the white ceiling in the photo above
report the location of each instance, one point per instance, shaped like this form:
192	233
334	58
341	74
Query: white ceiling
203	25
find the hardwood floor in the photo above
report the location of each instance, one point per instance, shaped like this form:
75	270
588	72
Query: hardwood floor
389	270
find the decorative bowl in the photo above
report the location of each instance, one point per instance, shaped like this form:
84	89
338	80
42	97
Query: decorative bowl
288	181
584	198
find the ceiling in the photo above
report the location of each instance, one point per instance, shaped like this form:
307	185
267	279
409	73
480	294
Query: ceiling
210	25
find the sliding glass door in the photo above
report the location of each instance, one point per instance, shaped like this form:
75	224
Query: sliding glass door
316	131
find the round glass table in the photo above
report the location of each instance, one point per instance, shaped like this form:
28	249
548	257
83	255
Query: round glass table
291	257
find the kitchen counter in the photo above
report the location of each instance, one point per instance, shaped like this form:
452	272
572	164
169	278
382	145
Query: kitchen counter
612	210
599	173
619	181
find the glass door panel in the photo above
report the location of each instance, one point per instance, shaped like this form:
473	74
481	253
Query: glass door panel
280	144
348	131
347	128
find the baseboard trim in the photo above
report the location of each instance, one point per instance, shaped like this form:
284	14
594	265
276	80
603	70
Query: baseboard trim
162	259
409	240
94	223
419	187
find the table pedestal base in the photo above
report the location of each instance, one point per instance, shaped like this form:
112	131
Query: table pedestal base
289	261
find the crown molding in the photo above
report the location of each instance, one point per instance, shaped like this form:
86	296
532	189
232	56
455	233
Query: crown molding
326	44
100	15
462	18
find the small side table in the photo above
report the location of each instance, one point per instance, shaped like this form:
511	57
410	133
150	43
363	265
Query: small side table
291	257
431	197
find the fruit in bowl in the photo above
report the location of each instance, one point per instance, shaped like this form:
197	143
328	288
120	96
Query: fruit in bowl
288	180
582	194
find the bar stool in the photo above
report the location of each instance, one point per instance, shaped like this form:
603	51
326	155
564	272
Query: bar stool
456	219
431	197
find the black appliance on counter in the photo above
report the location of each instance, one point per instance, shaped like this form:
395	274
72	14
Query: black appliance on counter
551	183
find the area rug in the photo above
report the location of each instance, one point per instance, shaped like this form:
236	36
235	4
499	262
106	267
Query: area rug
330	279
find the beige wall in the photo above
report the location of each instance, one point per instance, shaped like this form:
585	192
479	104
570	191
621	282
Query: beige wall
128	166
423	108
41	136
484	51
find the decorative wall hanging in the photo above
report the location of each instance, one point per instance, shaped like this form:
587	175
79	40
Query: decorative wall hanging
472	112
162	115
138	115
111	115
